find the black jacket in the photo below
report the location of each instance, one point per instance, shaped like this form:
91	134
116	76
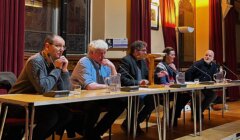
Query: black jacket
128	67
208	70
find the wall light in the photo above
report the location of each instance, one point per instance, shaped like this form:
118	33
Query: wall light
185	29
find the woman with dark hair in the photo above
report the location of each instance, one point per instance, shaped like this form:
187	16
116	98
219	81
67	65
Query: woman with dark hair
165	73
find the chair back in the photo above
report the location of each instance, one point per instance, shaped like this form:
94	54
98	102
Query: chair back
14	126
7	80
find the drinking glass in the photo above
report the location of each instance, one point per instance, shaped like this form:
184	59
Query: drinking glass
76	88
196	81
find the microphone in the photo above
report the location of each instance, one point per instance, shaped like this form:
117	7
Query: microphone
129	88
203	72
128	74
231	71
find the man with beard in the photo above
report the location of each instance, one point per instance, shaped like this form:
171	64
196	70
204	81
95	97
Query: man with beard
134	71
204	70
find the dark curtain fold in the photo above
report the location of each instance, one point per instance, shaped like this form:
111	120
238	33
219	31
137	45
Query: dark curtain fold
230	50
12	35
168	23
215	30
170	37
141	22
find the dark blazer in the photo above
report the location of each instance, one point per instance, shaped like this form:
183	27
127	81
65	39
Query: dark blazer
128	66
208	71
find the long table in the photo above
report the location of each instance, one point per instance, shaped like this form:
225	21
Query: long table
195	89
30	101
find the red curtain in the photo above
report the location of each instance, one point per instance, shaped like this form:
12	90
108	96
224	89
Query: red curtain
169	24
215	31
230	50
12	35
141	22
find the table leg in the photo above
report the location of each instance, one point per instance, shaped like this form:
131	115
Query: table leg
1	107
165	115
167	109
136	105
27	123
3	120
200	112
194	112
174	109
156	104
223	101
32	121
129	112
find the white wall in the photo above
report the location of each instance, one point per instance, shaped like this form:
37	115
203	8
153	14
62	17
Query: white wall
157	42
109	20
97	27
116	23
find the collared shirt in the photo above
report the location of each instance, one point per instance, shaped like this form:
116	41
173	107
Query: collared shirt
85	73
97	67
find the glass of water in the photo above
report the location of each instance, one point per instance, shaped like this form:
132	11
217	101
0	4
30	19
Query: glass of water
196	81
76	88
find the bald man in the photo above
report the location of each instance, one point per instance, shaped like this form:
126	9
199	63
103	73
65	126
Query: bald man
207	69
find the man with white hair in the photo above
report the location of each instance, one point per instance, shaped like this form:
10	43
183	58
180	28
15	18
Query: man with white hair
204	70
90	72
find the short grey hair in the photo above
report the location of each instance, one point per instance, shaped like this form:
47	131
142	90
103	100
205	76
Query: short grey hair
97	44
137	45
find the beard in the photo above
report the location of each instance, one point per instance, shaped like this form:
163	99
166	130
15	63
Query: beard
208	61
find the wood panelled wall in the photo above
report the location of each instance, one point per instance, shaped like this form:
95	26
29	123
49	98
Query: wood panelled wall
73	59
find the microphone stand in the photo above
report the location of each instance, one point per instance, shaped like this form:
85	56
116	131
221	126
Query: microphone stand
206	82
203	72
231	71
129	88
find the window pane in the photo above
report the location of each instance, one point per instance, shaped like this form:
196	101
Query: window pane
77	26
44	17
38	23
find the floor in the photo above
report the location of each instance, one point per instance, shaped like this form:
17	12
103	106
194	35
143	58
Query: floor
214	129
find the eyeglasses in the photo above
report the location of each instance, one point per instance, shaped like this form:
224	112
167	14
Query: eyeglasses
59	47
143	50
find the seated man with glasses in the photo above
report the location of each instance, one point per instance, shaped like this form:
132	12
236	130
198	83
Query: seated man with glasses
134	71
59	47
45	71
